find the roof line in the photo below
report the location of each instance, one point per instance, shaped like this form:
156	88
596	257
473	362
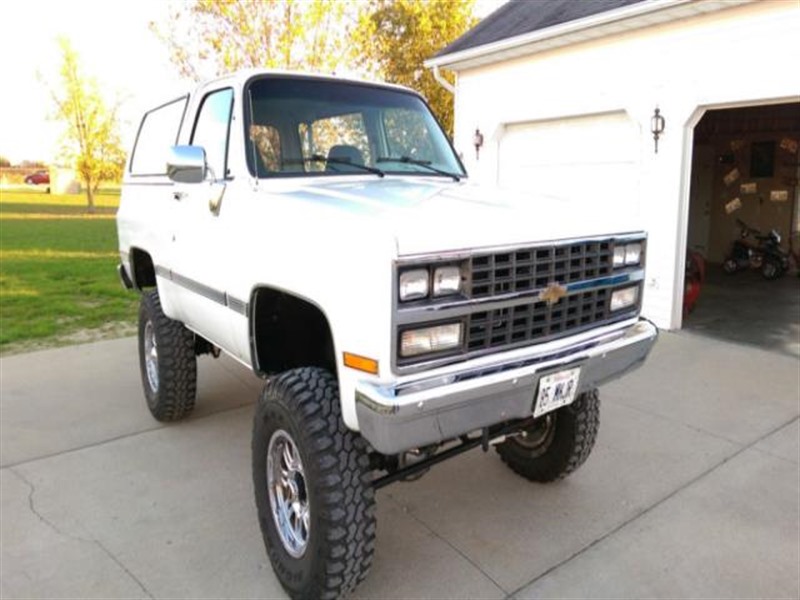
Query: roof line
562	29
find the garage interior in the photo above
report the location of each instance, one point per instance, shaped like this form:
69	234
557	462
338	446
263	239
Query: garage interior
746	166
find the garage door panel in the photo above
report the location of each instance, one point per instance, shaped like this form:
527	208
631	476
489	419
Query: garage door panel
591	159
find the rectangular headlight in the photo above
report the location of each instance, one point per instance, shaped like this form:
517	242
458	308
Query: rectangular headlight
624	298
619	256
446	281
633	254
414	342
414	284
627	254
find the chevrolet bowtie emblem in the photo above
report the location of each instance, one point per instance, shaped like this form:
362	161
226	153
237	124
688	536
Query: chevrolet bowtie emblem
552	293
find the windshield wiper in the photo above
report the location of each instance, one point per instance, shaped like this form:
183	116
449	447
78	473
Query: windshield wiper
333	161
426	164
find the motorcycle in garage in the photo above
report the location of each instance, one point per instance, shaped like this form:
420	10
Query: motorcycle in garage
763	253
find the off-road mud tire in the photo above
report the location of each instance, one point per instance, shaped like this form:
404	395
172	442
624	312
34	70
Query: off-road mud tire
173	398
564	449
341	538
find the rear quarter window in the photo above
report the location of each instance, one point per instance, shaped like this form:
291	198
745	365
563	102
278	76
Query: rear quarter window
157	133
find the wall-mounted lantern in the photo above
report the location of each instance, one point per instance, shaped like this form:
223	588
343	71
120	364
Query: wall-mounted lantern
657	124
477	141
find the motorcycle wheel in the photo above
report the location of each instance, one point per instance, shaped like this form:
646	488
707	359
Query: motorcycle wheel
770	270
730	266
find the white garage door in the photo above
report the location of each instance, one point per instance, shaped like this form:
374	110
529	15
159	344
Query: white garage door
593	159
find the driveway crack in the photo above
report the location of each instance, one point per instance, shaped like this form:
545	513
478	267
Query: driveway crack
50	524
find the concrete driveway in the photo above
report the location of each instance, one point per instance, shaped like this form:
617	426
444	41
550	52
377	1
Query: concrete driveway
693	490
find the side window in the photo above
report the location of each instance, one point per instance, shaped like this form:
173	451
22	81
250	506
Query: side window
342	130
157	133
407	134
212	127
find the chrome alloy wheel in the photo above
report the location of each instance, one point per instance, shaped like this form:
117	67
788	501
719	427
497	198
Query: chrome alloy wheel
151	355
288	494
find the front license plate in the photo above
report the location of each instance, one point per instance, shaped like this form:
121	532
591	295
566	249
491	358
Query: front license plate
556	390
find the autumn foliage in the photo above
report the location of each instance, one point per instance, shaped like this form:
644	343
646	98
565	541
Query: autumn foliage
382	39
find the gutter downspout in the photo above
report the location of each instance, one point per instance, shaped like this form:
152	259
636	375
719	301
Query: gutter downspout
442	81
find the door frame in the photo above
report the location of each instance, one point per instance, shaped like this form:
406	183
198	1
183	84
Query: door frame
684	200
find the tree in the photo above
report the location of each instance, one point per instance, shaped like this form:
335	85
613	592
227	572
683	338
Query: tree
213	37
4	162
92	139
397	36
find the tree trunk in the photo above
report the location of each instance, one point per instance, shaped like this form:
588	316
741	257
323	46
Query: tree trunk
90	197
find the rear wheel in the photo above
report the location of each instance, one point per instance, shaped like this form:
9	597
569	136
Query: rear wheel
167	362
557	443
730	266
311	479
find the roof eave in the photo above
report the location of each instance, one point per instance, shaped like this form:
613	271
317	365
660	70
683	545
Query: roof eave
625	18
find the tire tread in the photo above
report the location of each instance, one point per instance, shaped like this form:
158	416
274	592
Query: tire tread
340	460
177	363
580	423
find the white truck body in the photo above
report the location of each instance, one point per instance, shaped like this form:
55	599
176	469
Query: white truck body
337	243
324	233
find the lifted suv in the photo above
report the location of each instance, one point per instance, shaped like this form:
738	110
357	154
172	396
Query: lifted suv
322	232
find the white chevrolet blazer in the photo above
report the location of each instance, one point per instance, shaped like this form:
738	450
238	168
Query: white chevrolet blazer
324	233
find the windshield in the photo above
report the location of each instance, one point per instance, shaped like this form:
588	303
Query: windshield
303	127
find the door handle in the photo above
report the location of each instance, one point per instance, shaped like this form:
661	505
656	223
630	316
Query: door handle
215	200
176	195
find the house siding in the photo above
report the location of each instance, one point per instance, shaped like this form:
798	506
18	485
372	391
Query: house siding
742	55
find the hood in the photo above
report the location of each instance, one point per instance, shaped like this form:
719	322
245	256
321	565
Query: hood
429	215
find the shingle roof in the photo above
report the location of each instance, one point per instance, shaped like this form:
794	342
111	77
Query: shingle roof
524	16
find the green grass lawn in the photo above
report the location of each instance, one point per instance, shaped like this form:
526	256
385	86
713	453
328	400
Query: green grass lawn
58	280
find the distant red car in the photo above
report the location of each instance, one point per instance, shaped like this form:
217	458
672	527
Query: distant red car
38	178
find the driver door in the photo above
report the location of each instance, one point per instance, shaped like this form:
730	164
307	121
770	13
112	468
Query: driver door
199	236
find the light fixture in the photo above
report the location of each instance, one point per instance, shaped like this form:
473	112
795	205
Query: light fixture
477	141
657	124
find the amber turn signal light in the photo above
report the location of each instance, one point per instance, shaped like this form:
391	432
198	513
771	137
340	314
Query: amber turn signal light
361	363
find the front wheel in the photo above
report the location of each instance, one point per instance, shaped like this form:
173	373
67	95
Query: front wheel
730	266
311	479
557	443
771	269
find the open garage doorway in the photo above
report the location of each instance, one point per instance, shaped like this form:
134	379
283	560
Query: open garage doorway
744	178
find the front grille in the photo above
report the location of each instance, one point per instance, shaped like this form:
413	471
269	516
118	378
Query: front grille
528	269
517	325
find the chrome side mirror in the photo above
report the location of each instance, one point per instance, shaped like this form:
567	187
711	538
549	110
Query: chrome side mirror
187	164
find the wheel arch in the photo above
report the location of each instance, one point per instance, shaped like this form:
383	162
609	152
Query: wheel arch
143	271
288	331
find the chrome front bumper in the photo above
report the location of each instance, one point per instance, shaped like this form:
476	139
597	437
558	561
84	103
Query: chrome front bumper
441	405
